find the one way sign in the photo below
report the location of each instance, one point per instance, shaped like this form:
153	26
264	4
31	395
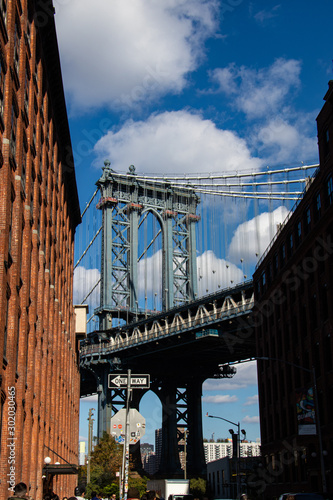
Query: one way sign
137	381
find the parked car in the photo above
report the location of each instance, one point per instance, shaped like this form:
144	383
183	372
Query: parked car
301	496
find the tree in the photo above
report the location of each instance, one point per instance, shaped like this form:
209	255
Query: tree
107	454
105	462
198	487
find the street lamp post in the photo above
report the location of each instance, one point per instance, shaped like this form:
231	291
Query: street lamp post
317	418
237	449
90	438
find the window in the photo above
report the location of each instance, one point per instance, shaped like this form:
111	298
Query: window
34	139
28	34
298	232
2	83
326	143
330	190
13	130
317	207
258	288
291	244
275	263
26	89
18	341
6	321
17	37
3	11
24	165
10	229
307	220
283	253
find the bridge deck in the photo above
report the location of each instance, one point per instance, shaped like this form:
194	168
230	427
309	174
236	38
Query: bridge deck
204	334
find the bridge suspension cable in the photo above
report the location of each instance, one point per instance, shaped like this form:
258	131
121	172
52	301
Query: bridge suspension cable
183	178
87	248
238	215
220	184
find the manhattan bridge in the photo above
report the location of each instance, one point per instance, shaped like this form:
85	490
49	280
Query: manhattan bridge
165	265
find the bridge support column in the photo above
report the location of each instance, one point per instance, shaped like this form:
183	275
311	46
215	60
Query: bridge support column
170	463
196	464
104	405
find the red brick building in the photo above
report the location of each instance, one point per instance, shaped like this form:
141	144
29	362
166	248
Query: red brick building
39	211
294	329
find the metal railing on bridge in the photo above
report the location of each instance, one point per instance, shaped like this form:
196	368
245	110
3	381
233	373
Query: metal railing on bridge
200	315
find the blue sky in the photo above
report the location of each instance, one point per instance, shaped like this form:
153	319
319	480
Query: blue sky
194	86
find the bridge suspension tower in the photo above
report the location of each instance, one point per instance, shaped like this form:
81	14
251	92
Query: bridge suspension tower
126	202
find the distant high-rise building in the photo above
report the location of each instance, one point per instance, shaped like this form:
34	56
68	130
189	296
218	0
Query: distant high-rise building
158	446
215	451
148	458
82	453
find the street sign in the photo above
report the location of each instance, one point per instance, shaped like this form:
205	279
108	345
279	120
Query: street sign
137	381
137	426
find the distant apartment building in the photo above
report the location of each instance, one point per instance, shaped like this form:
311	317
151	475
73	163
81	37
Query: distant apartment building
158	446
151	460
82	453
148	458
215	451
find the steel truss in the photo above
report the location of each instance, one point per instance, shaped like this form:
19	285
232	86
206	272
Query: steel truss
124	201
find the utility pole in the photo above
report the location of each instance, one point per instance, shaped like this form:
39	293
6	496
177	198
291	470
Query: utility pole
90	438
185	454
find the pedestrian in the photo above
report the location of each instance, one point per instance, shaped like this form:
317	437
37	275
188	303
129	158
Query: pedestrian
133	493
151	495
20	492
113	497
94	495
79	493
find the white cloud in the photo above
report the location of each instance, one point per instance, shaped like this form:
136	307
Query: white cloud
220	399
215	273
122	53
250	420
263	16
252	400
246	376
84	281
253	236
279	141
262	91
177	141
150	275
90	399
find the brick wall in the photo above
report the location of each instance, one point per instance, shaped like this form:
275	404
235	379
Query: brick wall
39	211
